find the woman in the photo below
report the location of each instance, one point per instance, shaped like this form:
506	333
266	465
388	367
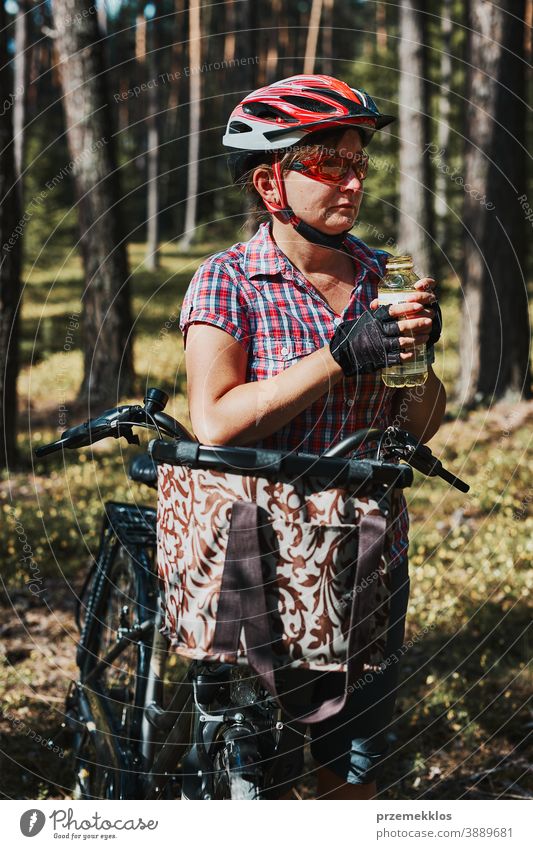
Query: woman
285	341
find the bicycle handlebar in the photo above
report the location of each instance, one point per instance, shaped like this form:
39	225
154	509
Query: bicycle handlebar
183	450
117	422
404	446
262	462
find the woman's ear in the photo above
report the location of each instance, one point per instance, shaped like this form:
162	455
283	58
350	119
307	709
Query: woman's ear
265	185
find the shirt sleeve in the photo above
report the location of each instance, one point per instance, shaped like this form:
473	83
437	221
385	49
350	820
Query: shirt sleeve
215	296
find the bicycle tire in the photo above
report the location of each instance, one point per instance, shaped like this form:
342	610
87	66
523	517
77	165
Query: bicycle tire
237	768
123	597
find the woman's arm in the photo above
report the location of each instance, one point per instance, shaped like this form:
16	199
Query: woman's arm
226	410
420	409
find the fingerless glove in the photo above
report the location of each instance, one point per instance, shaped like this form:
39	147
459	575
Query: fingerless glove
436	328
366	344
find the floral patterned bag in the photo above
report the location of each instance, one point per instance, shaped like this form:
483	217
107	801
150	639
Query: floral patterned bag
273	574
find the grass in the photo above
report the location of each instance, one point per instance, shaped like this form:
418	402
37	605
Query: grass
462	715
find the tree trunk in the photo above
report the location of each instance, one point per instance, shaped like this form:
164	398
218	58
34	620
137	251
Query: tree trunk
284	40
312	37
195	106
10	239
271	72
495	326
22	49
152	155
443	132
327	38
415	222
230	27
107	324
248	80
381	27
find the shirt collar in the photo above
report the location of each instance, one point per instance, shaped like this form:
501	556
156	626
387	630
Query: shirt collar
263	257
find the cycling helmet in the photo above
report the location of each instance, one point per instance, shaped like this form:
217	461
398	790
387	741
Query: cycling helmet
277	116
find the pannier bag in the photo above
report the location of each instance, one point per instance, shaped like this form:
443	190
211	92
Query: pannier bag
273	575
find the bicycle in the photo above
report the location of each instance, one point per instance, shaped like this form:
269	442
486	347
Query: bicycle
215	732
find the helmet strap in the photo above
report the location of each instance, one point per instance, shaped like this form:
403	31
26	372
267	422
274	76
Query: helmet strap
319	238
285	213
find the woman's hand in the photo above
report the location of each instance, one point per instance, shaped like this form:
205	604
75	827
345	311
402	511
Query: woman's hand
416	317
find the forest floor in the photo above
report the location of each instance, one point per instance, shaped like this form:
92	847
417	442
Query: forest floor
463	718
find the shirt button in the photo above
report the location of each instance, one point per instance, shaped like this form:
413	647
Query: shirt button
284	351
349	402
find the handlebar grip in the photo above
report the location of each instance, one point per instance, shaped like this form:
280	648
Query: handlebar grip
43	450
76	433
454	480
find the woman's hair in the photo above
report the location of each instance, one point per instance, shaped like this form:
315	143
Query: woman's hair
314	143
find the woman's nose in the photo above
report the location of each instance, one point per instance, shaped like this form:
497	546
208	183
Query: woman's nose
351	181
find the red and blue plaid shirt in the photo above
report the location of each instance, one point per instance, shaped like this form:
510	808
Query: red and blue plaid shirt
253	292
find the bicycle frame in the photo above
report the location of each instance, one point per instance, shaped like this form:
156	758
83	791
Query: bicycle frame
140	764
145	762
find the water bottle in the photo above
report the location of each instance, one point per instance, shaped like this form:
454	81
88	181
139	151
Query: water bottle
398	281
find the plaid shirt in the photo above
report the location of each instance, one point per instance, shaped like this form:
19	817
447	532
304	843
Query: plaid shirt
253	292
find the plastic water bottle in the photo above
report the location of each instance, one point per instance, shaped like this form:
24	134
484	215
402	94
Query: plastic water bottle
399	280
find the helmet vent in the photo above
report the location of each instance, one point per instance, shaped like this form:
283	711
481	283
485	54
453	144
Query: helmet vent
308	103
239	127
354	108
267	112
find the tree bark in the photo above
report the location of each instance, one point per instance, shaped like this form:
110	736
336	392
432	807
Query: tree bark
152	155
381	27
495	326
249	46
21	61
195	107
10	240
271	70
415	220
230	27
327	38
443	131
312	37
107	323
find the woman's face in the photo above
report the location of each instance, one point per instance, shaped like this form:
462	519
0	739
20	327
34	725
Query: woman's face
331	208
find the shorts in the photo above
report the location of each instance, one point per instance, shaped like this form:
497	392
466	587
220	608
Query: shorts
353	743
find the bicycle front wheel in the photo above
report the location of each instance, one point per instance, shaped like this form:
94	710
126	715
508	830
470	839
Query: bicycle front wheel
238	772
114	684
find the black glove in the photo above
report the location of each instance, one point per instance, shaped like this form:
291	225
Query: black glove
366	344
436	327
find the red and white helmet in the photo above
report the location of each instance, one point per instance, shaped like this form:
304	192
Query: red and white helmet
281	114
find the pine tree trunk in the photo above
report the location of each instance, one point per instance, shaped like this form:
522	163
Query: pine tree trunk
249	42
195	111
152	155
443	132
381	27
107	323
312	37
10	240
272	58
229	29
327	38
21	61
495	326
415	222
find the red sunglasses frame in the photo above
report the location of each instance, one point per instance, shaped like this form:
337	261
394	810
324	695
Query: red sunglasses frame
311	167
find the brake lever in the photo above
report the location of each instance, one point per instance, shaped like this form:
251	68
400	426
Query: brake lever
421	458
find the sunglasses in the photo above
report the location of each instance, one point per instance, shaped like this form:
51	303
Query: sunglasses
332	168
